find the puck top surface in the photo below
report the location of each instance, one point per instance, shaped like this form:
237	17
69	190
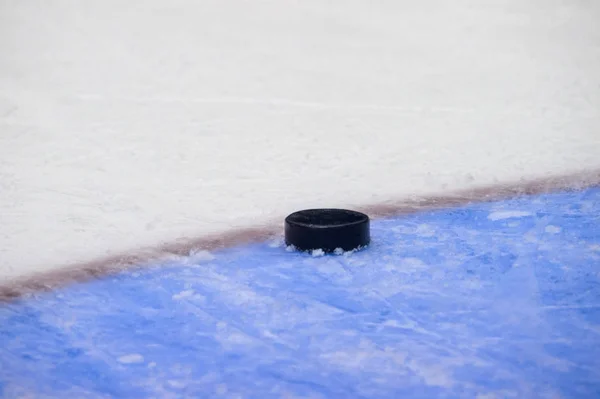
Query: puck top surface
327	229
323	218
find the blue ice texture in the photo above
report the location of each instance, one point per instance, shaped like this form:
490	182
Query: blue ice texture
488	300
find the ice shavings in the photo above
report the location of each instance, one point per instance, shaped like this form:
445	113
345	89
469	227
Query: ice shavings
501	215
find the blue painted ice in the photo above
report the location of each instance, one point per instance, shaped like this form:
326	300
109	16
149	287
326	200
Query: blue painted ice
497	300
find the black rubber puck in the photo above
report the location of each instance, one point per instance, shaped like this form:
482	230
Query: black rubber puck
327	229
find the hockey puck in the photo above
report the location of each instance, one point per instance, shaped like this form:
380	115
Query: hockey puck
329	230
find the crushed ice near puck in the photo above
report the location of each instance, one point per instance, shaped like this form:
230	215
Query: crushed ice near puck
329	230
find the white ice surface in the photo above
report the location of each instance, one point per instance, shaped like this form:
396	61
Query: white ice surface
125	124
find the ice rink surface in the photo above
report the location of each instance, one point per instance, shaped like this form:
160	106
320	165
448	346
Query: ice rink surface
125	125
493	300
132	127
